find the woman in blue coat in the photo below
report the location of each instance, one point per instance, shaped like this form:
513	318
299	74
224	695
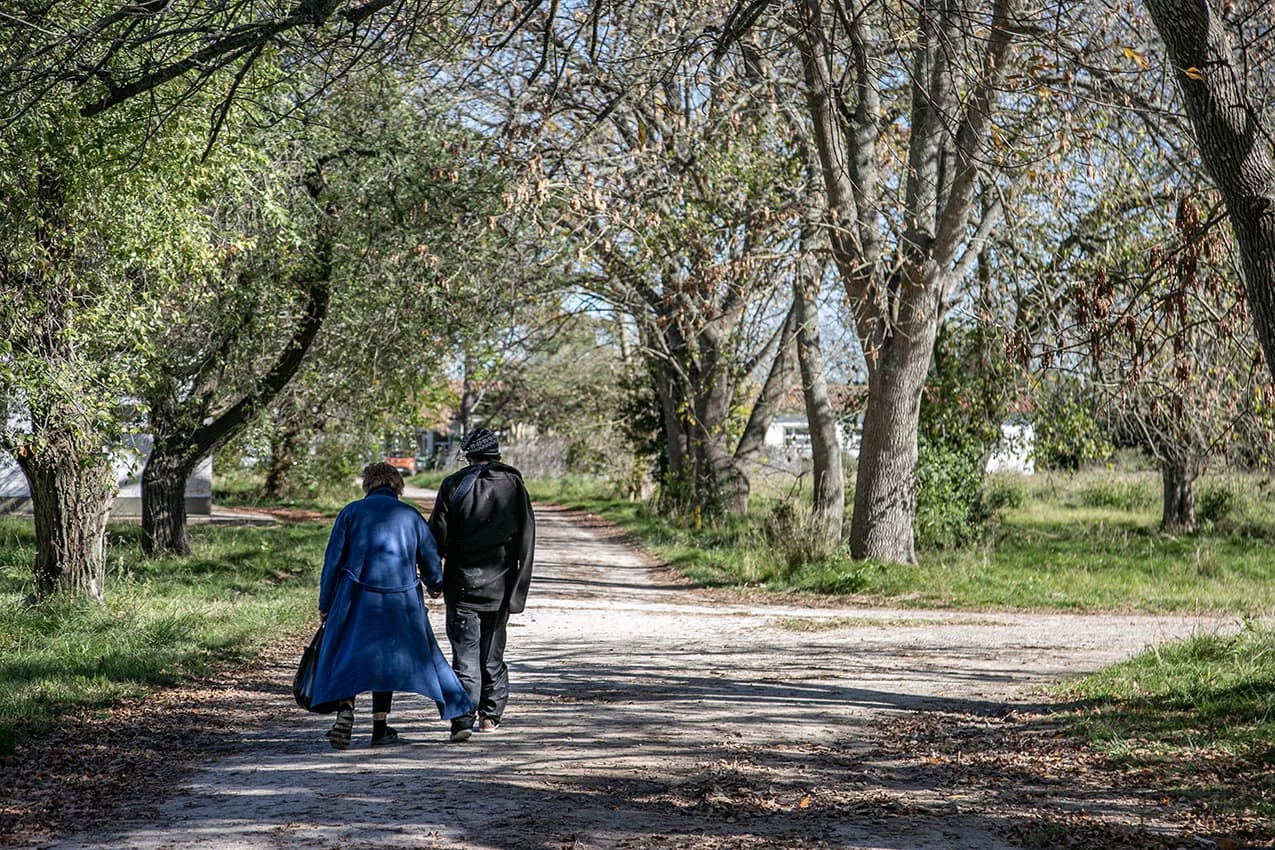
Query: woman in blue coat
377	636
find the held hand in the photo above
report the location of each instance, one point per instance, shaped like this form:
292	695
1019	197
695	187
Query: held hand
323	617
434	594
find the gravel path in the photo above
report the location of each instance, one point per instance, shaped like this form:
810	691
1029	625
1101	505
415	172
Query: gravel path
648	714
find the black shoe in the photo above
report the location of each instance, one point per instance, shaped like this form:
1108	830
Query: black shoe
339	735
386	738
461	730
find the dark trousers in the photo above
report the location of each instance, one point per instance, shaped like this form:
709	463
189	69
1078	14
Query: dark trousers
478	657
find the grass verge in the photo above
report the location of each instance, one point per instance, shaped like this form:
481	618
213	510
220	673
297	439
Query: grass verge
163	619
1059	547
1197	717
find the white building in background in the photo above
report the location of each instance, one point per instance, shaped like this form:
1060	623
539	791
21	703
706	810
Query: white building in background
789	432
15	494
1016	450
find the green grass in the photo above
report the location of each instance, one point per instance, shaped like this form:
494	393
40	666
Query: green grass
163	620
1194	714
241	488
1067	543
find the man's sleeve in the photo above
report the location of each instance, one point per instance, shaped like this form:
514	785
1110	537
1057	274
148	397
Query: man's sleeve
438	520
427	561
526	542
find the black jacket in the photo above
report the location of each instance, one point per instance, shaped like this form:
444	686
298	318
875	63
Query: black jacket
487	537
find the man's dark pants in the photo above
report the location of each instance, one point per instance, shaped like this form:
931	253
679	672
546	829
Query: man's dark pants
478	657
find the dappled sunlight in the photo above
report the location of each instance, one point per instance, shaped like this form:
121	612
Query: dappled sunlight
648	713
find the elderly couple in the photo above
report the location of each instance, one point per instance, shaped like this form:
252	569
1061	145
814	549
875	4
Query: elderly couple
377	635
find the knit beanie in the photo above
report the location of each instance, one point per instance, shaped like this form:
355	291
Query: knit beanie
480	443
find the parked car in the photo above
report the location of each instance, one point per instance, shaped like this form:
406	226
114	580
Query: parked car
405	464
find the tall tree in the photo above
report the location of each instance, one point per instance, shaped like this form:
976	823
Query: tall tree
1221	53
1173	357
898	295
373	193
677	189
96	221
188	415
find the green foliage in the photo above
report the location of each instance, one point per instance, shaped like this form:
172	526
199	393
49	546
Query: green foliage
968	395
789	535
949	507
240	487
1119	492
1005	491
1068	433
1216	502
165	620
98	223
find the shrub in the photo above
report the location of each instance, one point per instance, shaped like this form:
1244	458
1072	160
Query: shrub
788	532
1002	492
949	509
1216	502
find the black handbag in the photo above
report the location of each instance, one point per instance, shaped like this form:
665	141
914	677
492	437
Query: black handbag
303	681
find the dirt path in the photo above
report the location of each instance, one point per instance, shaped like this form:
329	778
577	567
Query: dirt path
646	714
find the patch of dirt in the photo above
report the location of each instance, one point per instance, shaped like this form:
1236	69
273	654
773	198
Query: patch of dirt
646	713
293	515
92	763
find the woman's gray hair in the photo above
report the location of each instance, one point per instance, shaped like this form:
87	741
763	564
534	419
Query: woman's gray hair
382	475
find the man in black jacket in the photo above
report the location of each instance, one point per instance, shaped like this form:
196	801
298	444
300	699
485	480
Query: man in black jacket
486	533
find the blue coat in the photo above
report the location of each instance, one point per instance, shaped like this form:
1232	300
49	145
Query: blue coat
378	636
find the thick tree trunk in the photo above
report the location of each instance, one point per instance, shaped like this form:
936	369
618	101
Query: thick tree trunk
722	485
681	490
676	450
71	495
1179	497
829	506
885	489
283	455
1234	145
164	502
896	310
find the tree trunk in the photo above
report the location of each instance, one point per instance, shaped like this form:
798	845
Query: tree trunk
675	481
829	505
783	369
1179	497
283	456
896	310
722	487
164	502
71	495
1234	146
885	489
